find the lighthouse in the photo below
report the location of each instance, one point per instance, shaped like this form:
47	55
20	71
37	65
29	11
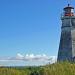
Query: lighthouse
67	40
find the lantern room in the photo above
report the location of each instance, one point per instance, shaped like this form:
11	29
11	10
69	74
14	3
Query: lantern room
69	11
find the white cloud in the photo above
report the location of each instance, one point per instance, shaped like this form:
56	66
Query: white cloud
30	57
19	56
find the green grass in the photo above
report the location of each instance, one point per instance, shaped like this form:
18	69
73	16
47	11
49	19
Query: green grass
62	68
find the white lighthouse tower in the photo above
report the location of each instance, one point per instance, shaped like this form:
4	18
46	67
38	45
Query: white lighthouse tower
67	40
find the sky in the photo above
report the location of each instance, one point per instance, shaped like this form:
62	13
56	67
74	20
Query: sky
30	26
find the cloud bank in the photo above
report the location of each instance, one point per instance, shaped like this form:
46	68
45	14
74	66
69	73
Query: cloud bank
30	58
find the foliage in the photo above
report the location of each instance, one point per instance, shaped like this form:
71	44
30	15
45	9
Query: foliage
62	68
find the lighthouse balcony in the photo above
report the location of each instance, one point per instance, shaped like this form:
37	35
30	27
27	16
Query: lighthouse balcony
72	16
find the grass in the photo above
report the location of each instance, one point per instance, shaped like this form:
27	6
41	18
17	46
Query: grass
62	68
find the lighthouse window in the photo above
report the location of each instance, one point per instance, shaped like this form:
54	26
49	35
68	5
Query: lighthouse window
67	11
72	10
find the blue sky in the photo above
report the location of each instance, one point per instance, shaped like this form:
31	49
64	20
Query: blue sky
30	26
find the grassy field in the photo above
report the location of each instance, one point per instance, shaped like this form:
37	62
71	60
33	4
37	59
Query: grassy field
63	68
